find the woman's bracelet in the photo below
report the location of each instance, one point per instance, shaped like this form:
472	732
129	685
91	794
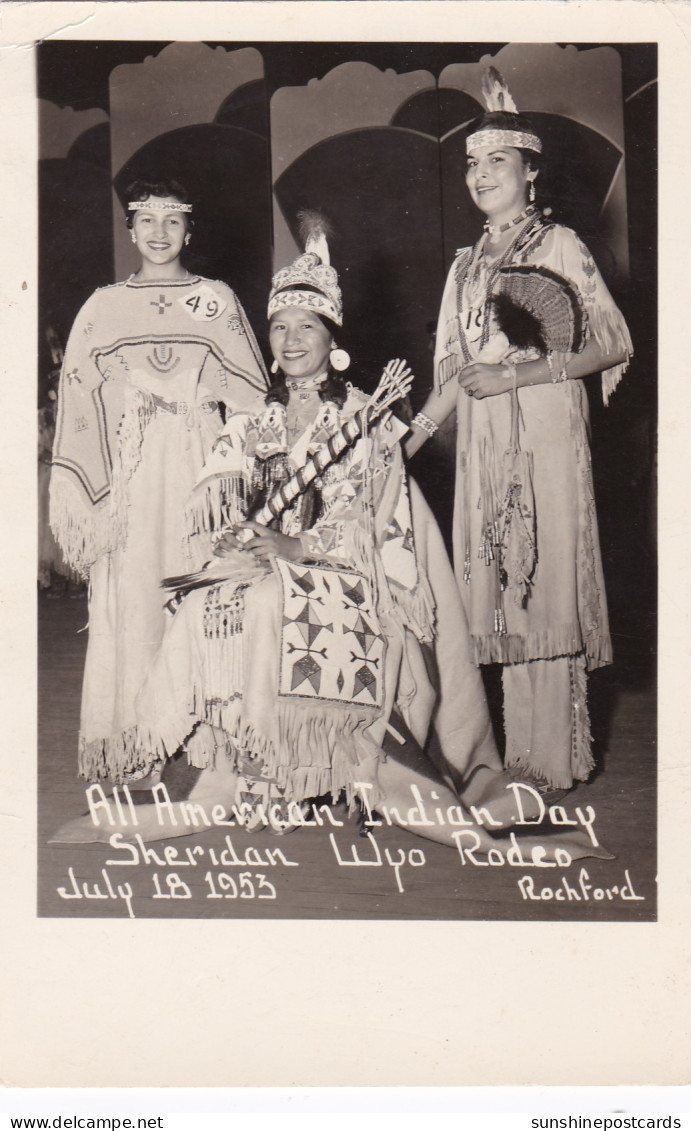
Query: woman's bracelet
429	426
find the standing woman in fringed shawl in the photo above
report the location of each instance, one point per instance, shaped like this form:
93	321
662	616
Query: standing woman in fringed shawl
146	364
525	315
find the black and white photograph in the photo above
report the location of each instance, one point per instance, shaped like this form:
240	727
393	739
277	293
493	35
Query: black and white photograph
347	460
345	371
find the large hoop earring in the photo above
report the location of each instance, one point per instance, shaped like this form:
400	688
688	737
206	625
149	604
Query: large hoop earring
274	366
340	360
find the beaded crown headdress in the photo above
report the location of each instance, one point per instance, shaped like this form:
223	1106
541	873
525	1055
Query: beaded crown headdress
309	281
497	98
158	206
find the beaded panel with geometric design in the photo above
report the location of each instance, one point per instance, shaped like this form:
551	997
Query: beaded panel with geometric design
332	647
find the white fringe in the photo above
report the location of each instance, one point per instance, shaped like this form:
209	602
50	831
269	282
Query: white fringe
611	333
219	502
121	757
449	367
567	641
83	532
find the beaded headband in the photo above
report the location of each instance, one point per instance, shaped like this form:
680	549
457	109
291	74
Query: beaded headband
307	300
158	206
308	270
514	138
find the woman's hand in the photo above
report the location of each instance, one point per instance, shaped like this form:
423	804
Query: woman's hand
266	543
481	380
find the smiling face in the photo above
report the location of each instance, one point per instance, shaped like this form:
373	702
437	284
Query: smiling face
159	234
498	182
300	342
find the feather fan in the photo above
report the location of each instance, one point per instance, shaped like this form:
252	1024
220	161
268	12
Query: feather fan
538	308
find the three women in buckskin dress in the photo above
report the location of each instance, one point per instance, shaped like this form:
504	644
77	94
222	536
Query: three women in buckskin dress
255	677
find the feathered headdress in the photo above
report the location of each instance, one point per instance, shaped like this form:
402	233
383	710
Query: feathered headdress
310	281
498	100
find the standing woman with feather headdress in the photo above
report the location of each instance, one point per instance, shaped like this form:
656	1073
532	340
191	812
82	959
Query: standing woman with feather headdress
524	317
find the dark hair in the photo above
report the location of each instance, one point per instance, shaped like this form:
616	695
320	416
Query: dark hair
166	186
503	120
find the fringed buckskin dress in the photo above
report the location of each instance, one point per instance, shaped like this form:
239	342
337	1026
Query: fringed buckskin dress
548	631
298	666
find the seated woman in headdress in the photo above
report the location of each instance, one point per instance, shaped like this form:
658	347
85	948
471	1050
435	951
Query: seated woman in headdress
300	664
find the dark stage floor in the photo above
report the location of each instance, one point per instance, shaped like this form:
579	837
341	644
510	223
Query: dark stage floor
304	878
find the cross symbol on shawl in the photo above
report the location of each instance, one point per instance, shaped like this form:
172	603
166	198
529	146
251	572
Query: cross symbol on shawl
161	304
73	375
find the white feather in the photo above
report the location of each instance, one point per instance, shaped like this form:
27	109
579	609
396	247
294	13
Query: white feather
314	231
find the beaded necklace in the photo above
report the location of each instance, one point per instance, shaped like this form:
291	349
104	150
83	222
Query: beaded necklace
135	280
305	388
